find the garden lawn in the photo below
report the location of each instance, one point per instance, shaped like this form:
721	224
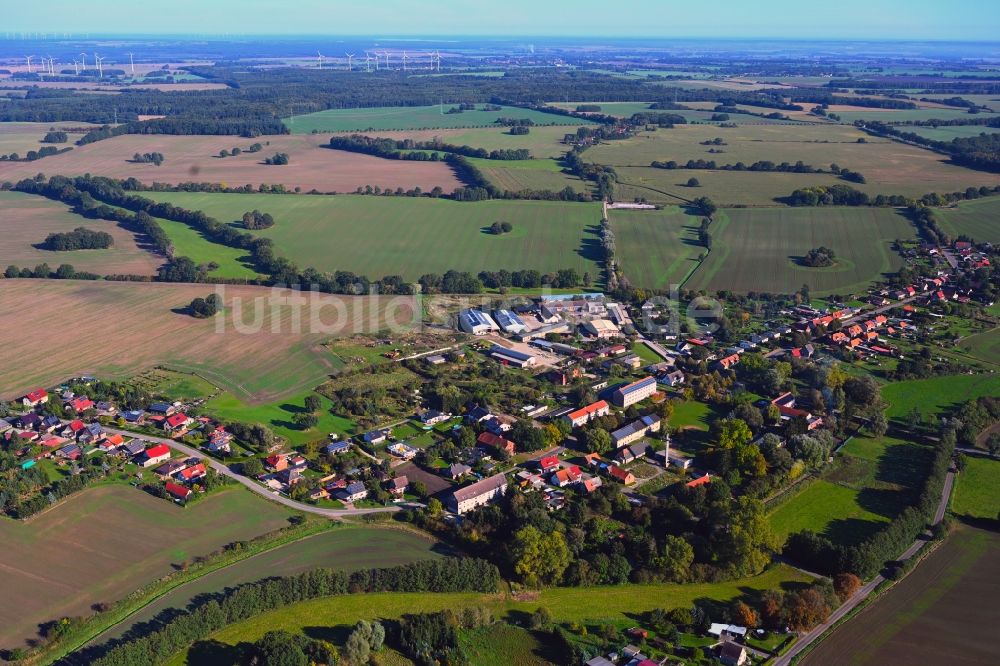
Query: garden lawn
691	414
829	509
378	236
977	491
278	417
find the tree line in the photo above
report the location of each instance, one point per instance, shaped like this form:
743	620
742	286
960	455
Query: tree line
397	149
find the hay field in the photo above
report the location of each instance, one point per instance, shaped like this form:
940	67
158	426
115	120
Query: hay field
111	329
889	167
26	220
414	117
656	248
979	219
102	543
195	158
757	249
378	236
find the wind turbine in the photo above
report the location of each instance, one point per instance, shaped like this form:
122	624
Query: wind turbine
76	66
350	56
386	54
368	62
131	63
100	69
378	57
404	60
83	60
52	66
319	57
437	57
28	58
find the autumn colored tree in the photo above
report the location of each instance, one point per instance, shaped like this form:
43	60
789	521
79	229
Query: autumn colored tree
745	616
804	609
846	585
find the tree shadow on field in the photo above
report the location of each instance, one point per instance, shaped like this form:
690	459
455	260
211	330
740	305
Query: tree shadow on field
213	653
590	246
850	531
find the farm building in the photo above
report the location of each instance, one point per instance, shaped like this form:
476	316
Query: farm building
509	322
476	322
602	329
635	392
477	494
513	357
585	414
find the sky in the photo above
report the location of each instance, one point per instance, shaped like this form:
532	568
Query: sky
795	19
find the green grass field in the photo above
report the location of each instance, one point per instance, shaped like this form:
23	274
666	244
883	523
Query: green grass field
691	414
979	219
656	248
278	417
503	644
536	174
977	491
898	115
947	133
566	604
758	250
378	236
934	396
983	346
188	242
122	538
173	385
829	509
414	117
344	548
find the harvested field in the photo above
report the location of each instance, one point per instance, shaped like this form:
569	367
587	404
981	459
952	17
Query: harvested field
759	249
415	117
344	548
26	220
102	543
196	158
979	219
929	617
412	236
123	328
656	248
889	167
22	137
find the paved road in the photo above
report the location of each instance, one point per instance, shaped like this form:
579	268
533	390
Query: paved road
865	314
809	637
250	483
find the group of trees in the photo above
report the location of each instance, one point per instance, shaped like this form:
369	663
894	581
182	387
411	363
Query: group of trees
819	257
410	149
255	220
80	238
148	158
499	228
55	137
213	612
204	308
43	270
32	155
278	159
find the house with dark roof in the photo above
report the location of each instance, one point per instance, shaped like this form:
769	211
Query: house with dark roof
133	448
162	408
635	430
477	494
333	448
397	486
169	468
732	654
354	492
457	471
632	452
637	391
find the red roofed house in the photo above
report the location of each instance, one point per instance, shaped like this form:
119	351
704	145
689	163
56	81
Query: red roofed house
566	476
496	442
854	331
80	403
276	462
854	342
585	414
35	398
175	422
193	473
548	463
728	361
880	319
111	443
74	427
155	455
177	491
621	475
839	337
700	481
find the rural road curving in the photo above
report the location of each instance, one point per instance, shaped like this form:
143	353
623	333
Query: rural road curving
813	635
250	483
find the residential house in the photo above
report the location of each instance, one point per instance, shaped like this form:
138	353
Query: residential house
354	492
154	455
169	468
91	434
635	431
110	443
133	448
74	428
477	494
726	362
176	422
621	475
134	416
49	423
162	408
35	398
566	476
637	391
631	453
433	417
700	481
457	471
334	448
592	483
29	421
290	476
193	473
177	491
548	464
679	461
673	378
403	451
80	403
585	414
105	408
375	436
496	442
276	462
70	452
732	654
51	441
397	486
220	441
478	414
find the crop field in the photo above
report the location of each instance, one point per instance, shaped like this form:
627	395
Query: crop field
542	141
343	548
379	236
537	174
759	249
848	114
937	395
949	132
196	158
656	248
26	220
259	348
889	167
926	617
414	117
977	493
88	550
567	604
278	417
979	219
